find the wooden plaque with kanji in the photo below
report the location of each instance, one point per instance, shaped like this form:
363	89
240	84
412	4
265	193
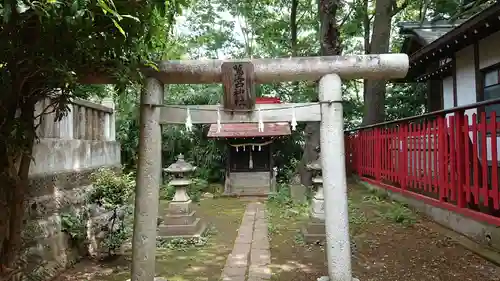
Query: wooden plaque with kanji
239	87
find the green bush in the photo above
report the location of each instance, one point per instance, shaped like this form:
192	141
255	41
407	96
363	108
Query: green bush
113	191
282	197
73	224
167	192
400	213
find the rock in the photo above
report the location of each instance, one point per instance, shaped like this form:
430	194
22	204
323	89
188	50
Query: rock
326	278
208	195
100	225
156	279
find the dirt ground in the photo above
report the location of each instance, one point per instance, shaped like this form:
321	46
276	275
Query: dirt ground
391	243
189	264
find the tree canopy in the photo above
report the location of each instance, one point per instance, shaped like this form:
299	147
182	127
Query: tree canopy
47	47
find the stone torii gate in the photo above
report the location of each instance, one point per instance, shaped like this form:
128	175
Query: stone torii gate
329	71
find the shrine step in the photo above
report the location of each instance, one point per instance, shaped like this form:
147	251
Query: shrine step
263	195
250	191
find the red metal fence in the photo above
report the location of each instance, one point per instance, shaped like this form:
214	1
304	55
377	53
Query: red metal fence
446	158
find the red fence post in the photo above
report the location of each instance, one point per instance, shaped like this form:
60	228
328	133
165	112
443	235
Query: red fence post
475	159
442	161
378	159
484	158
494	161
403	155
460	167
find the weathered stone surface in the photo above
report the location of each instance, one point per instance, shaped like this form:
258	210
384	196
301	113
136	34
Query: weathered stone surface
49	250
46	205
99	225
64	155
51	183
251	249
287	69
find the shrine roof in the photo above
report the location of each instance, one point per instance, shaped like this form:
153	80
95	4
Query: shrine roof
248	130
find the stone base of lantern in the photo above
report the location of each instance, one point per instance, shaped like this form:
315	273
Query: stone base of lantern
181	222
314	231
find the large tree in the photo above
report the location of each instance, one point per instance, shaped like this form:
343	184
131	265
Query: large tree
375	90
329	40
47	47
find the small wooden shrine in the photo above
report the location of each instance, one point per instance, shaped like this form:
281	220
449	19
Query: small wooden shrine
249	167
248	125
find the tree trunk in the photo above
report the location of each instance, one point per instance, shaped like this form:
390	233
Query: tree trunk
374	91
14	164
293	27
366	35
330	46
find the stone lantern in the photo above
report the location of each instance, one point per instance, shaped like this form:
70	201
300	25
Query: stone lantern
180	220
314	231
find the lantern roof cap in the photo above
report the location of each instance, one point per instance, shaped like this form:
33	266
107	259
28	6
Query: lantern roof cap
180	166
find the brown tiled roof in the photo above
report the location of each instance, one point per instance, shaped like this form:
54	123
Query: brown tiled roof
248	130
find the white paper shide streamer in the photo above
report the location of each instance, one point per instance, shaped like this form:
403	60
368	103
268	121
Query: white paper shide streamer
294	120
189	123
219	126
261	123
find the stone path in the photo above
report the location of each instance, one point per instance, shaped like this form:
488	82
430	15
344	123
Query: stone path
251	257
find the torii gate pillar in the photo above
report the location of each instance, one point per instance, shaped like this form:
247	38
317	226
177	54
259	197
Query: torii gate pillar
148	182
338	250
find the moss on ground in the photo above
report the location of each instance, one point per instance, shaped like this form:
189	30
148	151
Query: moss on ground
204	263
389	243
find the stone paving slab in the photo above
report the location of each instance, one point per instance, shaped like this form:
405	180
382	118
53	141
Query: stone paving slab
250	256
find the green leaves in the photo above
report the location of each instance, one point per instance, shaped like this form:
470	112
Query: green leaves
111	190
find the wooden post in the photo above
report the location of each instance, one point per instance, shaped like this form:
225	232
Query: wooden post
238	82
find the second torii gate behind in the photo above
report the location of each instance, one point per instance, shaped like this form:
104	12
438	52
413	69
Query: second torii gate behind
258	121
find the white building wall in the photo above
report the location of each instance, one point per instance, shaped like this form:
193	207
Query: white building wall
448	92
489	50
466	79
489	54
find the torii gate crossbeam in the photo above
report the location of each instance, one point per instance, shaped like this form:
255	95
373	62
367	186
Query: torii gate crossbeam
285	69
329	71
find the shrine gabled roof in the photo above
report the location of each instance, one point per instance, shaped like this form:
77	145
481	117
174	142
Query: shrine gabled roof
249	130
463	33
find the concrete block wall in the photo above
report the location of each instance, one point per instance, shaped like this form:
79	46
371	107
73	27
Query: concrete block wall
68	152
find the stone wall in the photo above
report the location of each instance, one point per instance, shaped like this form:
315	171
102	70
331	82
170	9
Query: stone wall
67	153
250	183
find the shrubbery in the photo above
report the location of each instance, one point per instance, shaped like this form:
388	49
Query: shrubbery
109	202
